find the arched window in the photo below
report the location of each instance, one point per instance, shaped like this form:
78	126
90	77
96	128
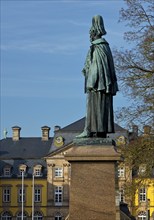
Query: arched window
58	216
19	216
38	216
6	216
142	216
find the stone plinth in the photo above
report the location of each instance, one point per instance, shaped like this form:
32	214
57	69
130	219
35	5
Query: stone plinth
92	190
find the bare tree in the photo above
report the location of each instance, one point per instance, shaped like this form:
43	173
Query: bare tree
135	66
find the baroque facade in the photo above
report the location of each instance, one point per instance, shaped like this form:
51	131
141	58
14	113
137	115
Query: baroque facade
23	172
47	176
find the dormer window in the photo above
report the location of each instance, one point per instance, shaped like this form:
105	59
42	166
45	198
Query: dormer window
7	171
121	171
38	170
22	169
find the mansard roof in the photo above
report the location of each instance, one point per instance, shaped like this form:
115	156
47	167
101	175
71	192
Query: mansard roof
14	164
24	148
78	126
28	151
70	131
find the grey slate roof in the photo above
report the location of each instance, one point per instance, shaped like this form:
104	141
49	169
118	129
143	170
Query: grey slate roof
14	164
25	148
28	151
71	131
78	126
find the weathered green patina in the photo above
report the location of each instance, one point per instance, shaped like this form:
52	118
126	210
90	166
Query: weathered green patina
100	83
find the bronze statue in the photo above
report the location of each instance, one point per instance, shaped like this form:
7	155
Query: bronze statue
100	83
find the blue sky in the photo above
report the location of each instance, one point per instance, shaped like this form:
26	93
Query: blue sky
43	49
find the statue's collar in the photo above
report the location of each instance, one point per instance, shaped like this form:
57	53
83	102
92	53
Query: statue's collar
98	41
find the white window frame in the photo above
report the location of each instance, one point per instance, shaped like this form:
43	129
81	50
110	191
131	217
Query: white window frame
19	216
6	216
121	171
58	216
6	194
58	172
142	216
7	171
38	215
58	195
37	194
20	195
122	195
37	170
22	169
142	194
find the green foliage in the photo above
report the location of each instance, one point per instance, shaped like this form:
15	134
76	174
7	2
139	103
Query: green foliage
138	158
135	66
139	154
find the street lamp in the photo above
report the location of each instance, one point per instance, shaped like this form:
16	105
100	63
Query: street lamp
33	175
22	195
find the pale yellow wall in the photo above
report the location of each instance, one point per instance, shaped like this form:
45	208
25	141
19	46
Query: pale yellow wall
149	184
14	205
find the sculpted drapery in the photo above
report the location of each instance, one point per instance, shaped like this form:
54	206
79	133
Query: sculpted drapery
100	83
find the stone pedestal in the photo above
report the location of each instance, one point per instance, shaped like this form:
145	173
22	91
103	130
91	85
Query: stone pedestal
92	190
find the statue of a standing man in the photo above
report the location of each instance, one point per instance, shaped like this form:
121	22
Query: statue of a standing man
100	83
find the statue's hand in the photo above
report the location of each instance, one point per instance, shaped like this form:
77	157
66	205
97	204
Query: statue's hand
90	89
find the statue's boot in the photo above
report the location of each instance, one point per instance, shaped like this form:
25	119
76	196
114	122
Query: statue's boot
84	134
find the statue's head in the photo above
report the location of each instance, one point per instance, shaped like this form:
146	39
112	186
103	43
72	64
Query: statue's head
97	29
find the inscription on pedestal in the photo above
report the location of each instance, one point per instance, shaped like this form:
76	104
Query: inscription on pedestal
94	141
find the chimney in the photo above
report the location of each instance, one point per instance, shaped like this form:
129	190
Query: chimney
135	130
57	128
45	133
147	130
16	133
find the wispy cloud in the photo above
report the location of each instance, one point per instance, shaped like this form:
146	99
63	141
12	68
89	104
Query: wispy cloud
65	46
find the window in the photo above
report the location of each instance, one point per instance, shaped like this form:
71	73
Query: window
38	216
58	172
142	195
58	216
121	172
121	195
38	170
20	195
37	195
6	194
58	195
142	216
19	216
7	171
6	216
22	169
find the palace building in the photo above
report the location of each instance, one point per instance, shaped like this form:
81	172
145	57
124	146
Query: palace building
23	171
35	177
